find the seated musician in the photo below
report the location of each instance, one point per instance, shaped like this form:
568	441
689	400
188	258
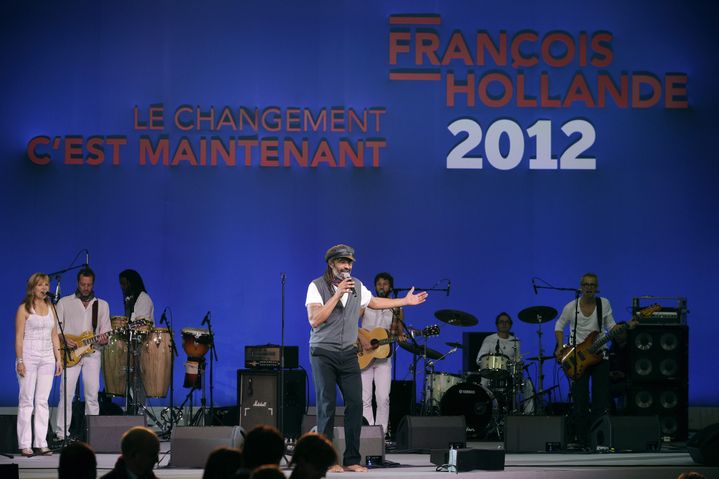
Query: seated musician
504	343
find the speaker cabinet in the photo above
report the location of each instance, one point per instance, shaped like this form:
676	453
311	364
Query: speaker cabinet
470	459
309	420
627	433
8	433
105	432
430	432
703	447
667	400
401	403
658	353
258	399
191	446
471	344
9	471
535	433
371	442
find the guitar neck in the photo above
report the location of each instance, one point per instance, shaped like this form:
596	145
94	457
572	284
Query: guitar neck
606	338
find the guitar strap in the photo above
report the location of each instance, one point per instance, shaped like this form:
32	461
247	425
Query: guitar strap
599	313
94	316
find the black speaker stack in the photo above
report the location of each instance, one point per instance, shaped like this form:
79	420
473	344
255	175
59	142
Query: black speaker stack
658	371
258	399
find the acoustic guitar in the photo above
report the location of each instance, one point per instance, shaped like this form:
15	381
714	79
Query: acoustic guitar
588	352
87	341
381	339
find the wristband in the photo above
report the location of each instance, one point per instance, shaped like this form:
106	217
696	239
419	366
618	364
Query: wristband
19	360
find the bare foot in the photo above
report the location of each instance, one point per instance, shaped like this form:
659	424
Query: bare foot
336	468
356	468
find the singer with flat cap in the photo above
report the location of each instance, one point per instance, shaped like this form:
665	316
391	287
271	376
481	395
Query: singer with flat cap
333	303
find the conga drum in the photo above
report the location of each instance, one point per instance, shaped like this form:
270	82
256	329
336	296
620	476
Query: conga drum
156	362
114	359
195	342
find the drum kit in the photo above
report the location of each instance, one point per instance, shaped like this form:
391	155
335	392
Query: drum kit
137	363
498	388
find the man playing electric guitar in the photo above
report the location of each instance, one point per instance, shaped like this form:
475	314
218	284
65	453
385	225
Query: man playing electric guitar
592	314
80	313
380	370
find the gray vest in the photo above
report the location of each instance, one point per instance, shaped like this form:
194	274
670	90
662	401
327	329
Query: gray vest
339	332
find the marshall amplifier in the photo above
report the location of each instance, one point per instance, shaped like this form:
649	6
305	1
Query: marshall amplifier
258	398
268	357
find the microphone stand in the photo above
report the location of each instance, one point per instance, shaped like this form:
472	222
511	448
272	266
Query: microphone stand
173	354
281	409
65	354
413	398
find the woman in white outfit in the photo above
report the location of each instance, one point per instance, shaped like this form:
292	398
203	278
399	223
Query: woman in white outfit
37	352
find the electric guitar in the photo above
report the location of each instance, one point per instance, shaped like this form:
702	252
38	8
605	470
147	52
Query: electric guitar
380	339
575	364
87	340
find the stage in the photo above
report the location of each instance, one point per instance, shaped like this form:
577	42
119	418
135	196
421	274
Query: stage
668	463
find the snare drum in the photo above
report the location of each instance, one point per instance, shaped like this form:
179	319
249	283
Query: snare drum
473	401
155	362
196	342
114	359
494	366
437	385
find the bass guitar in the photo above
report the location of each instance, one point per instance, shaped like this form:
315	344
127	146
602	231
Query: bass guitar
576	360
86	341
381	339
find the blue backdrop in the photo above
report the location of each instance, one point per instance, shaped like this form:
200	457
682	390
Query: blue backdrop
93	155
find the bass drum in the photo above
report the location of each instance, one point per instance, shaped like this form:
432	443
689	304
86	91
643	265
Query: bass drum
473	401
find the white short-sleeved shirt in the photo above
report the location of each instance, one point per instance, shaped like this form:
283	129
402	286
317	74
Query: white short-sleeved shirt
314	297
585	324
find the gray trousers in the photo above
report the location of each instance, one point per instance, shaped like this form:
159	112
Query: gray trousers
331	369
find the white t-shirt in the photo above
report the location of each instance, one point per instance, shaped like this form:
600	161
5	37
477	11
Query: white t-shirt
314	296
585	324
143	308
506	347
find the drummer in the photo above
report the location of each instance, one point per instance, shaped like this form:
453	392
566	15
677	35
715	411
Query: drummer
504	343
501	342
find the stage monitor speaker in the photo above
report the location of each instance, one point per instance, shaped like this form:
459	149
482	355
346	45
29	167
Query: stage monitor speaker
430	432
401	403
309	420
105	432
627	433
471	342
8	433
668	400
9	471
258	399
658	353
703	447
470	459
371	442
191	445
535	433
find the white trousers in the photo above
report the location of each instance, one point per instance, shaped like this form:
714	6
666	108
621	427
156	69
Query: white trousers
35	389
89	366
380	371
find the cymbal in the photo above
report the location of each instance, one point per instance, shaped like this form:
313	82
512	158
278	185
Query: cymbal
541	358
419	350
455	317
455	345
537	314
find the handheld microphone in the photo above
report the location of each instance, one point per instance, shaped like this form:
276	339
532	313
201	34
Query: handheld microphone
206	319
346	275
449	285
57	293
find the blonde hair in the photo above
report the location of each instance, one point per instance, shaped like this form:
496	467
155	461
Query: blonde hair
32	282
